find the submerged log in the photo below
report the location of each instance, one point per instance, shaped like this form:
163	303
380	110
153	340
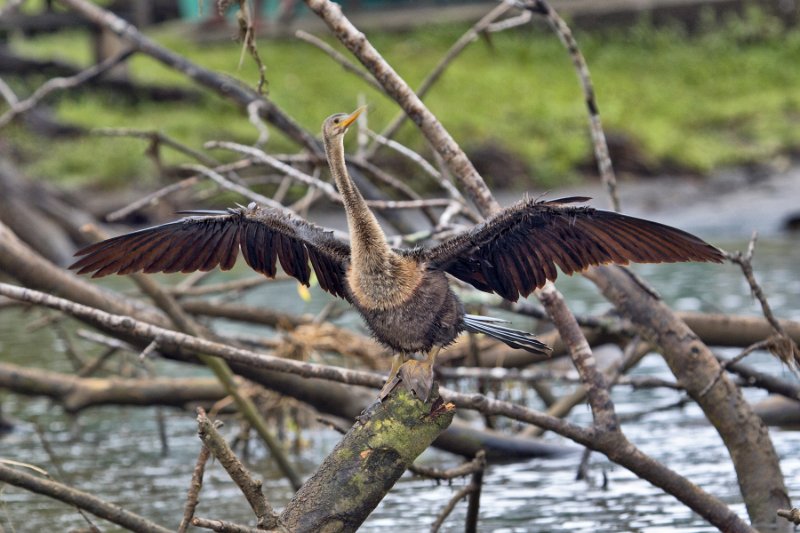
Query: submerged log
75	393
780	411
366	463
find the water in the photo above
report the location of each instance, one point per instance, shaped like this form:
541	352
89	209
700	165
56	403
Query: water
115	452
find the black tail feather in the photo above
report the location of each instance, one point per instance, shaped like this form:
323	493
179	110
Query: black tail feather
515	338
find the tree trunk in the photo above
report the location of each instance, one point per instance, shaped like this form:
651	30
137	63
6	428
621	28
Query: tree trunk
744	434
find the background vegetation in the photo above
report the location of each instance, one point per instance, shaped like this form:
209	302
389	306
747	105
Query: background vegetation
692	103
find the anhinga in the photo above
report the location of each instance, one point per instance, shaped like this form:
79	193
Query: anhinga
403	295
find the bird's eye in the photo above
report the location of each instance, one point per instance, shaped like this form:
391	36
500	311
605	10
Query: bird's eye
336	121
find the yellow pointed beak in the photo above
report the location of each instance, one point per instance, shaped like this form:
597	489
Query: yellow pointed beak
352	118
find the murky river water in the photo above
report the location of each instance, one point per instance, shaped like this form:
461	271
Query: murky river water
117	454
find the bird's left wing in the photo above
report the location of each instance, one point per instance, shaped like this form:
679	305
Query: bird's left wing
208	239
516	251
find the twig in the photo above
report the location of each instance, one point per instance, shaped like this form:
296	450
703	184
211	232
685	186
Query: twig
222	85
193	496
96	364
56	84
792	515
783	347
84	500
599	143
60	472
236	285
225	183
248	34
464	469
420	161
455	158
462	493
473	504
155	136
339	58
8	94
439	69
251	488
761	345
255	119
223	527
258	155
151	199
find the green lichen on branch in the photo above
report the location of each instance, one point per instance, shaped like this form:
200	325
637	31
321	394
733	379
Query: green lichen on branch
367	462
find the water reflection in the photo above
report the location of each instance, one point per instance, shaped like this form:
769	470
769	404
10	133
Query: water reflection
117	453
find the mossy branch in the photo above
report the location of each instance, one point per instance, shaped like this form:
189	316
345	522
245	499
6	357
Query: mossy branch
366	463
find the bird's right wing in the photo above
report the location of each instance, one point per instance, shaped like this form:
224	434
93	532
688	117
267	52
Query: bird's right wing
208	239
517	250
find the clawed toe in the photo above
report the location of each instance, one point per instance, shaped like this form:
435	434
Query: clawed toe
417	377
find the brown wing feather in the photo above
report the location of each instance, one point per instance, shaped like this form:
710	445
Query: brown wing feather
516	251
213	238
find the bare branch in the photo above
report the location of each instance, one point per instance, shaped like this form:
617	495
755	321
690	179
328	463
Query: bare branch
783	347
448	58
193	496
792	515
462	493
339	58
56	84
266	159
78	498
249	486
398	89
223	527
599	143
225	183
465	469
222	85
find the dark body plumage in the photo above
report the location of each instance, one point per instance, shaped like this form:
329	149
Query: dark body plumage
403	295
432	316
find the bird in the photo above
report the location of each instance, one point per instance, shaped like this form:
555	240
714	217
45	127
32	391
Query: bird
404	295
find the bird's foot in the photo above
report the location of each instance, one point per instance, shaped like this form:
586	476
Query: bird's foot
417	377
393	379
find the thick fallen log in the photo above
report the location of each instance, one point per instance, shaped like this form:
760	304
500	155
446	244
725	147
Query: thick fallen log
75	393
779	411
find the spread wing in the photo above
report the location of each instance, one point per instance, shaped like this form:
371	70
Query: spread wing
516	251
213	238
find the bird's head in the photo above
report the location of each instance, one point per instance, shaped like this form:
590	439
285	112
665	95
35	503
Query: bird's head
336	125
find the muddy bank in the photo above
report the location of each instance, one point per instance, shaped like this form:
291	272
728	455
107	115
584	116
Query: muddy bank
729	204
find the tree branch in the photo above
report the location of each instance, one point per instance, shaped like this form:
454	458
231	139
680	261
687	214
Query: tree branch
78	498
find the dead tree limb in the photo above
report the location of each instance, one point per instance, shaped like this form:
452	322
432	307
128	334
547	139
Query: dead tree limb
267	519
78	498
366	463
193	496
745	434
75	393
222	85
610	442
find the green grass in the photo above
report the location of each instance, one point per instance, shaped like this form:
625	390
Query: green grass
726	96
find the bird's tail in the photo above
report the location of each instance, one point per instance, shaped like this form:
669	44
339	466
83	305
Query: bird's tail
515	338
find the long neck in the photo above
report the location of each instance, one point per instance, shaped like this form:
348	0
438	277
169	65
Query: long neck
367	240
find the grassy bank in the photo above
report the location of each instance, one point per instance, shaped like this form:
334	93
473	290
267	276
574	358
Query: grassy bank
726	96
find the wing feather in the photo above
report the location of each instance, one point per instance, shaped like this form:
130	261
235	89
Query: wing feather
517	250
210	239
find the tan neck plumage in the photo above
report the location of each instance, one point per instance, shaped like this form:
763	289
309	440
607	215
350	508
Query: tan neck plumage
378	276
